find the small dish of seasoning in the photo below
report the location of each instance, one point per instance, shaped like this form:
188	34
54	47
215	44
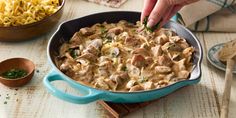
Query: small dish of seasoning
16	72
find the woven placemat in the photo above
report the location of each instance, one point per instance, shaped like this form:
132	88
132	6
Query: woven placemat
109	3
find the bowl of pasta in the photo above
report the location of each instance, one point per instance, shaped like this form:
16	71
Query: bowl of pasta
26	19
106	57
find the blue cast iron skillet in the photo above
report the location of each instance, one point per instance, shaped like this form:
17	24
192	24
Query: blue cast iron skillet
65	32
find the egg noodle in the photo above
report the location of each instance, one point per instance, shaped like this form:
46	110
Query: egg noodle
21	12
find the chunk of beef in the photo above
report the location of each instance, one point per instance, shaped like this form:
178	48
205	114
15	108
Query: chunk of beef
141	51
76	39
86	31
136	88
116	30
164	60
138	61
156	51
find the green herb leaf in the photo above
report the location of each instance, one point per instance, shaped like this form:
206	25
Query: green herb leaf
152	29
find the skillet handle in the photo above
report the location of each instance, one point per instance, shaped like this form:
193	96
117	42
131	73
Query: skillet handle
89	96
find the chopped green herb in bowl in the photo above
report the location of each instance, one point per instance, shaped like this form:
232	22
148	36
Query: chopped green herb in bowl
14	74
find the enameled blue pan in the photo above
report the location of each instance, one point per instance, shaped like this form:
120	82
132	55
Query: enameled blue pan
65	32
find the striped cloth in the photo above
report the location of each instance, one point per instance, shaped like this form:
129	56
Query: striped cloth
109	3
209	15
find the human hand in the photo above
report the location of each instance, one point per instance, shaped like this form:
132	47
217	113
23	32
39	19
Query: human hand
160	11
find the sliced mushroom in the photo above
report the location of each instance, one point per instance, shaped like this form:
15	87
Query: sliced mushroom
162	69
97	43
115	51
133	71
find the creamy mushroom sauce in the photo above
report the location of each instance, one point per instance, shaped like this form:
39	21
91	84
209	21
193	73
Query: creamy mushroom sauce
118	57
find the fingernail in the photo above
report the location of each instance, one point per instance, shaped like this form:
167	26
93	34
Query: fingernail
150	23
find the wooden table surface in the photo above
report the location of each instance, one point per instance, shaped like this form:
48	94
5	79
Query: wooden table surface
33	101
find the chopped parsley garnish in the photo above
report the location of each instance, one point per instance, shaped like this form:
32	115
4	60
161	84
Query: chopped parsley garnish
151	29
14	73
113	54
124	68
143	79
73	53
103	29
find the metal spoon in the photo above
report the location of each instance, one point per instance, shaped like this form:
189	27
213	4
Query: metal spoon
227	54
